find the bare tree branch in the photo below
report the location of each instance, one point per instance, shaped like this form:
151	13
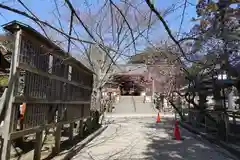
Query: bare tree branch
129	27
182	19
42	22
151	6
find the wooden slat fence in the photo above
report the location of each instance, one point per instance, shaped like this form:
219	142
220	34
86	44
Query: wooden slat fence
55	91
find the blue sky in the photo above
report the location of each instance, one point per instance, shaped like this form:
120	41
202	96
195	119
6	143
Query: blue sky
175	18
44	10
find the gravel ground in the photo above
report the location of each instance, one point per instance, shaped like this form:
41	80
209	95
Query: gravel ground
141	138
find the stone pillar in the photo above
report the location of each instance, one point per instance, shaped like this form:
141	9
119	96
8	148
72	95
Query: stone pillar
230	100
238	89
217	98
202	103
202	100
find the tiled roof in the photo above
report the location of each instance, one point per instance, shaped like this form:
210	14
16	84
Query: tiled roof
131	69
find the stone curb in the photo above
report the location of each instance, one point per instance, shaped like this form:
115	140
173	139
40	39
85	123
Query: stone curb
75	149
212	139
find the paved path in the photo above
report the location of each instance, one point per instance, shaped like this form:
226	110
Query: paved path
132	134
141	138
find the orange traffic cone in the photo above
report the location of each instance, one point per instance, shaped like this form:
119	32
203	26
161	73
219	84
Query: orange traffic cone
177	132
158	118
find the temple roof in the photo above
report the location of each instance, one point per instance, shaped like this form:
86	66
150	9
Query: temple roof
131	69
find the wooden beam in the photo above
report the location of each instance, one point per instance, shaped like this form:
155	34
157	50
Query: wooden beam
22	133
9	114
57	148
51	76
80	128
38	146
2	103
71	128
29	100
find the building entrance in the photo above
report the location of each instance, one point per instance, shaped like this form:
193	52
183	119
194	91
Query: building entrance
129	85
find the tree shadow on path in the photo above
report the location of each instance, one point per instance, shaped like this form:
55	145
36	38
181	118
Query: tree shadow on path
162	146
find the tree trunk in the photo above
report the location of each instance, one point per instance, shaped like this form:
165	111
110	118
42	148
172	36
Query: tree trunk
177	110
96	100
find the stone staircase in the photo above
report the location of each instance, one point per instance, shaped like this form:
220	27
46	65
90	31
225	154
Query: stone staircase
134	105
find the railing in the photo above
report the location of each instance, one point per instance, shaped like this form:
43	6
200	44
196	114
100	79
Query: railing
231	131
196	119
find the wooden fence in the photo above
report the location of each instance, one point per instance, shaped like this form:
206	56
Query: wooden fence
231	121
55	88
